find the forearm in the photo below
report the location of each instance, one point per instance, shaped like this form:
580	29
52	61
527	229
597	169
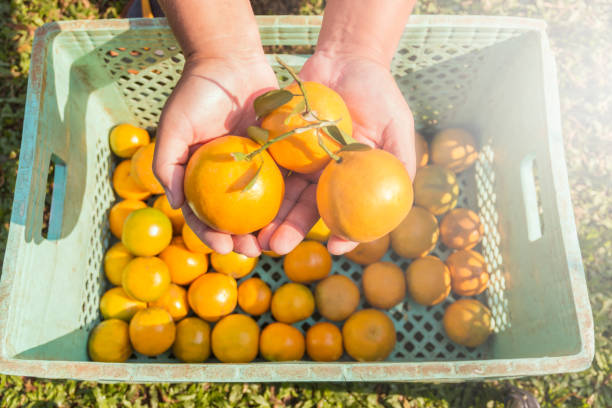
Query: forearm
366	28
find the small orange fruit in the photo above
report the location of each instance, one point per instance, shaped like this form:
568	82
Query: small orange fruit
142	169
428	280
119	212
175	216
319	232
146	278
146	232
116	304
336	297
467	322
184	266
115	259
125	186
292	302
193	242
235	339
369	335
109	342
461	229
417	234
152	331
254	296
422	150
308	262
454	149
384	285
192	344
174	301
125	139
213	295
281	342
369	252
324	342
436	189
233	264
469	276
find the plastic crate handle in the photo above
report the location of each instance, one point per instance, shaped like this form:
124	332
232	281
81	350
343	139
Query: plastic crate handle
531	197
58	197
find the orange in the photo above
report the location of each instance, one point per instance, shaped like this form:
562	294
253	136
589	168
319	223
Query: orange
174	301
308	262
146	232
368	335
271	254
428	280
125	139
193	242
125	186
115	259
454	149
231	195
422	150
109	342
469	276
436	189
324	342
233	264
369	252
152	331
235	339
116	304
184	266
192	344
467	322
142	169
461	229
384	285
146	278
281	342
417	234
175	216
336	297
292	302
119	212
301	152
319	232
254	296
213	295
365	196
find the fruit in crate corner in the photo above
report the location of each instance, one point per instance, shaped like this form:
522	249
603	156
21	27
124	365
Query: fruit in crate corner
119	212
308	262
369	335
124	184
281	342
152	331
175	216
115	259
428	280
142	169
126	139
436	189
109	342
421	149
384	284
365	196
468	269
233	264
319	232
324	342
369	252
184	265
174	301
417	234
192	343
235	339
116	304
301	152
213	295
231	195
193	242
461	229
467	322
146	232
146	278
454	149
291	303
336	297
254	296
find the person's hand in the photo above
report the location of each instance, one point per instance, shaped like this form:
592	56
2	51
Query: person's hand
214	97
381	118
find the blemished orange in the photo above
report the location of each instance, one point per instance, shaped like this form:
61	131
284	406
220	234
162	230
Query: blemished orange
308	262
109	342
142	169
417	234
146	232
384	284
152	331
428	280
281	342
235	339
368	335
436	189
336	297
369	252
365	196
116	304
461	229
126	139
233	264
254	296
115	259
291	303
301	152
119	212
213	295
454	149
324	342
175	216
174	301
231	195
192	343
125	186
467	322
193	242
422	150
146	278
184	265
468	270
319	232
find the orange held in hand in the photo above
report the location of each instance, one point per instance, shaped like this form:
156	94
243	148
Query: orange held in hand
254	296
125	186
469	276
119	212
235	339
174	301
369	252
146	232
185	266
213	295
308	262
292	302
461	229
233	264
109	342
281	342
126	139
336	297
369	335
152	331
175	216
324	342
142	169
428	280
146	278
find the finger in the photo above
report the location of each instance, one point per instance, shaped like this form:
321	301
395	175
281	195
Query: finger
246	245
339	246
217	241
398	138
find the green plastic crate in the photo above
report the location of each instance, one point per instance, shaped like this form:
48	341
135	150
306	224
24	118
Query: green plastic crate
495	76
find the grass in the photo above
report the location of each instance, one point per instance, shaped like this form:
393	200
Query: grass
581	37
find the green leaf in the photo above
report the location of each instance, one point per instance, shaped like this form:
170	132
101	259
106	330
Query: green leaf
238	156
258	134
271	100
298	108
333	132
254	179
355	147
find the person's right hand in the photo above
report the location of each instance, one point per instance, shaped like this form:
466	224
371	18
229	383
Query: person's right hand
214	97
